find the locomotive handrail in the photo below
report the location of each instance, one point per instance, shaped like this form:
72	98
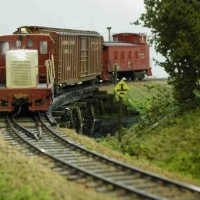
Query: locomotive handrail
50	73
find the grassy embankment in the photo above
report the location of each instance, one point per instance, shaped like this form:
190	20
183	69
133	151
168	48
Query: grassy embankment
26	178
170	138
171	148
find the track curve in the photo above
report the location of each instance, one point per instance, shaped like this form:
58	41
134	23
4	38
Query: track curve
91	168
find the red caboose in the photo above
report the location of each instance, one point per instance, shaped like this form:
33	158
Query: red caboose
23	75
129	54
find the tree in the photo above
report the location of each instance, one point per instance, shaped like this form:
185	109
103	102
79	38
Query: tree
175	28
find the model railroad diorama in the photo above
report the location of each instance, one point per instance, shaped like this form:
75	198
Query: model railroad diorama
54	74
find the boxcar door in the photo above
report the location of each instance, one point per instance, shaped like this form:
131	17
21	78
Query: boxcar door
84	48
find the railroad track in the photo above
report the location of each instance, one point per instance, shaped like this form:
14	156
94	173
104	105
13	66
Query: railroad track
94	170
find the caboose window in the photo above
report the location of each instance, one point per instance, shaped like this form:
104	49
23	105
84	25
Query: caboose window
115	55
129	55
4	47
29	43
136	55
122	56
43	47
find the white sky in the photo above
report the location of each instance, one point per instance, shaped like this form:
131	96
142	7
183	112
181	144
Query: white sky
76	14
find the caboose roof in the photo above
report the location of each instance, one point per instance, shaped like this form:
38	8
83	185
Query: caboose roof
124	44
138	34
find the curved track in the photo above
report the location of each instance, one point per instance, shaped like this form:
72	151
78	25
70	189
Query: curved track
89	167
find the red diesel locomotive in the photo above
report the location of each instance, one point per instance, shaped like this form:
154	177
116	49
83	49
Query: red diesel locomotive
23	74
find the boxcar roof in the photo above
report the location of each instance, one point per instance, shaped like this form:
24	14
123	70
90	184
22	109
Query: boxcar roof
61	31
112	44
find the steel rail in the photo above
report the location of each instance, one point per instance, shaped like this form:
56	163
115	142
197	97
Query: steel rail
134	169
57	140
127	188
155	177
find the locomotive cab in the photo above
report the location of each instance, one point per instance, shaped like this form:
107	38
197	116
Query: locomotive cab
23	75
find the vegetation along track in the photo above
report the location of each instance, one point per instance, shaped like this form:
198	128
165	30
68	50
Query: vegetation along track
88	167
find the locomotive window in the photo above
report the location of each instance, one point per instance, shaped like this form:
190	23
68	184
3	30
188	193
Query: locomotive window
43	47
4	47
29	43
18	43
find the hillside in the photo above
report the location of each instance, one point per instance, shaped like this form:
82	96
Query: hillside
166	138
173	146
169	148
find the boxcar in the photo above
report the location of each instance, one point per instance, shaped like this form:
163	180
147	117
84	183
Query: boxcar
77	54
128	53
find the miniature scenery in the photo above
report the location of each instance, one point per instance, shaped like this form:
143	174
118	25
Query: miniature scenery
91	113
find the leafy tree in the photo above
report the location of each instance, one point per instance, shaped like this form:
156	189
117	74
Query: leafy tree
175	26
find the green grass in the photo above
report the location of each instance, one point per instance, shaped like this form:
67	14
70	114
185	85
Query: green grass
27	178
139	94
163	137
170	149
110	147
174	146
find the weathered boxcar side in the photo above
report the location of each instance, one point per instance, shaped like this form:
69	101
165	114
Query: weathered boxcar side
77	54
